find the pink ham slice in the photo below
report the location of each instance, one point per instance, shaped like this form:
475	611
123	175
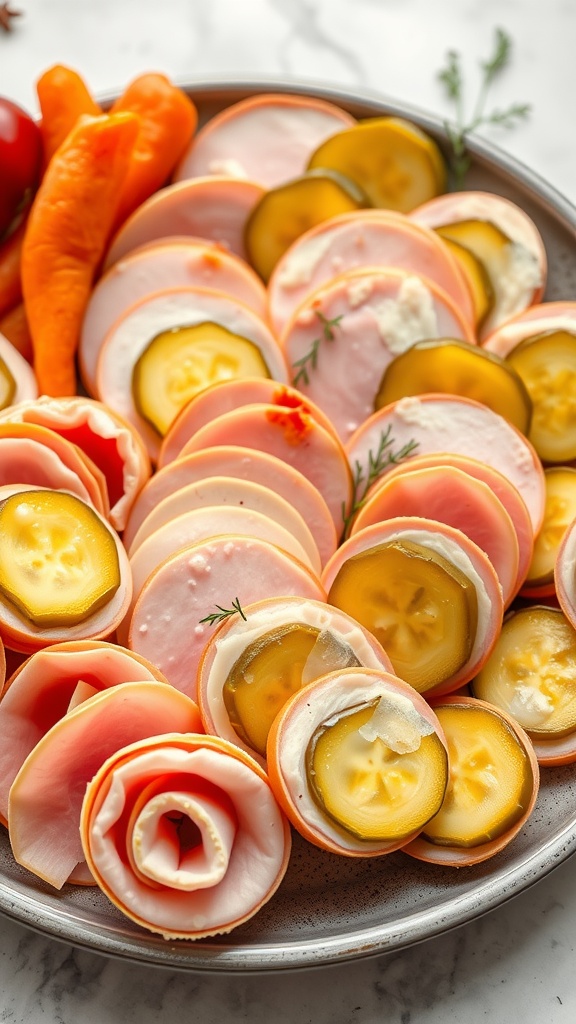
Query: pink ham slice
375	313
244	464
460	426
227	396
291	435
42	690
268	138
226	490
46	795
184	835
540	319
214	208
366	238
165	625
109	441
167	263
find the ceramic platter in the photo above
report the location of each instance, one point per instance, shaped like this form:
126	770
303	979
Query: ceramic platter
329	908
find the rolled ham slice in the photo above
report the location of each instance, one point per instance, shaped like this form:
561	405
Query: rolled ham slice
25	385
110	442
460	426
42	690
291	435
227	396
166	263
366	238
375	314
244	464
165	625
215	208
165	311
184	835
46	795
268	138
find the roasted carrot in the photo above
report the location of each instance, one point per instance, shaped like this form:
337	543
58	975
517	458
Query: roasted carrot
68	228
64	97
14	326
10	255
168	121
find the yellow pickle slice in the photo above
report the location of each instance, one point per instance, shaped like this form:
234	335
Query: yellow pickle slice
286	212
379	771
179	363
491	781
531	672
559	513
477	277
7	385
547	365
422	608
271	669
454	367
396	164
58	560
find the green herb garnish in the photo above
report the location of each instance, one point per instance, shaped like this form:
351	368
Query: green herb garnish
451	76
224	613
310	359
385	456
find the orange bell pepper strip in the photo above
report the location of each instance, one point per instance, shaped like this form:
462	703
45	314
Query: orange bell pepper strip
14	326
10	256
68	228
64	97
168	120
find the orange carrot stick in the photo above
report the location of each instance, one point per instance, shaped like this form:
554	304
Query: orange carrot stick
168	121
10	255
63	96
68	228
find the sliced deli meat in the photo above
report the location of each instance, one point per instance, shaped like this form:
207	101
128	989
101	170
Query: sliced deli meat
268	138
175	262
341	340
46	796
245	464
45	688
367	238
215	208
443	423
166	624
184	835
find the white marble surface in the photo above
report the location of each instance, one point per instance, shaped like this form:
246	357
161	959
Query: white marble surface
517	963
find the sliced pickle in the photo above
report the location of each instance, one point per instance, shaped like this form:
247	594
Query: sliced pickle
422	609
476	276
286	212
531	672
7	385
559	513
271	669
547	365
396	164
491	781
457	368
369	789
179	363
58	560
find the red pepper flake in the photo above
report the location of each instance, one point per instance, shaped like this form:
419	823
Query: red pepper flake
289	398
295	423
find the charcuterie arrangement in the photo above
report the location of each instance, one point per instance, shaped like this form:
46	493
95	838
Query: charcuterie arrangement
287	500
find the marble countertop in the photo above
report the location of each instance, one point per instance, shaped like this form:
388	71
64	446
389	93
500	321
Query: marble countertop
518	961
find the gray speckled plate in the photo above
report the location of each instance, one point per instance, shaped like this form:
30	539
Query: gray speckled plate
329	908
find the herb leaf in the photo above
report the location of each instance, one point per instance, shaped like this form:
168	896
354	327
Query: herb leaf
377	462
310	359
224	613
452	78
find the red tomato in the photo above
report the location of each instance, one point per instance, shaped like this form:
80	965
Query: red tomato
20	157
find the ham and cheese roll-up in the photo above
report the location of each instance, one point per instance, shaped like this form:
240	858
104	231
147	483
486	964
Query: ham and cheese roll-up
46	796
48	685
184	835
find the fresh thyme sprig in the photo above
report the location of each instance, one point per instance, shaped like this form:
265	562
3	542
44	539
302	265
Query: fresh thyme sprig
224	613
310	359
452	78
362	480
